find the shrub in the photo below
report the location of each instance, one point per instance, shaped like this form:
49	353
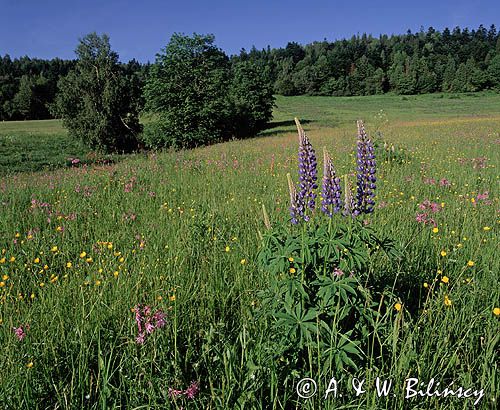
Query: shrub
200	98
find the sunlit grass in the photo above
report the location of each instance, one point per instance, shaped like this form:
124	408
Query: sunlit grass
171	230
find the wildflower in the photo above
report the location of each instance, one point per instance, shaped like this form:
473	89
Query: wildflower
331	192
398	306
53	249
496	311
172	298
147	323
83	254
435	230
366	172
173	393
290	259
37	260
443	253
486	228
29	365
19	332
426	285
337	272
227	249
243	261
470	263
447	300
2	284
192	390
12	259
69	264
2	261
445	279
292	270
307	171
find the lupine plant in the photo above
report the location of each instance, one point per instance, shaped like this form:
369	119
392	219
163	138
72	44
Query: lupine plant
318	305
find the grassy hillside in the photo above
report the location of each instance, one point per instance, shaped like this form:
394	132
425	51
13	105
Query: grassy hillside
84	249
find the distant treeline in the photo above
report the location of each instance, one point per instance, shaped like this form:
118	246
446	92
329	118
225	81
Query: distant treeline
28	86
413	63
424	62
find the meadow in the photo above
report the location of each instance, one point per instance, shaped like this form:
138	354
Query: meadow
139	284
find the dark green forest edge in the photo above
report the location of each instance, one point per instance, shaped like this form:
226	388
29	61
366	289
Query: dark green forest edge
414	63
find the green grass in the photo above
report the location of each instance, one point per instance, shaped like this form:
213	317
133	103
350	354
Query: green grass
187	227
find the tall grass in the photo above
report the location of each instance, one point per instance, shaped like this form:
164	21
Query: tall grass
180	232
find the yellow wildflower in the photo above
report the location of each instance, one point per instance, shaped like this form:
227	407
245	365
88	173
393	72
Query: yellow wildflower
470	263
398	306
496	311
435	230
445	279
447	300
443	253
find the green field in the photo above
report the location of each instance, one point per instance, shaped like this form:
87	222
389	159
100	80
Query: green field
180	232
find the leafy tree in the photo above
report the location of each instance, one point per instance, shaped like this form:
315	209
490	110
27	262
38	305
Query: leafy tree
199	98
98	103
494	72
251	99
284	84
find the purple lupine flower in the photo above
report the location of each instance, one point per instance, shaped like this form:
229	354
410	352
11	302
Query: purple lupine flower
307	172
365	173
332	192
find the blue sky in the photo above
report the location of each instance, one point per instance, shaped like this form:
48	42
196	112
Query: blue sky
139	29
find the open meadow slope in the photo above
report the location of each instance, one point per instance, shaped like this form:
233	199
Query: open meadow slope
85	248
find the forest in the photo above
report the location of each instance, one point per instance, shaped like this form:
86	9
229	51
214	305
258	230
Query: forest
450	61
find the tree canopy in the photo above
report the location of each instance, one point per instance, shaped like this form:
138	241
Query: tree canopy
98	102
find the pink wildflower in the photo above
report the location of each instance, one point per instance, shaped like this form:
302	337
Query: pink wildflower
20	333
173	393
192	390
444	182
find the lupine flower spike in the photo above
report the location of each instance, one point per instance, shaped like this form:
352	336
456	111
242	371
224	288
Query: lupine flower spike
365	173
332	192
307	172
